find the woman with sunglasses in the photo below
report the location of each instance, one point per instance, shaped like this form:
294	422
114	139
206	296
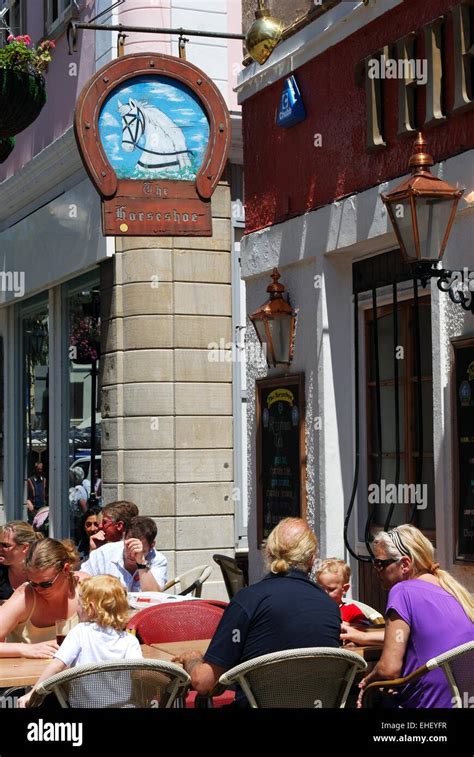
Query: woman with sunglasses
27	619
428	612
15	540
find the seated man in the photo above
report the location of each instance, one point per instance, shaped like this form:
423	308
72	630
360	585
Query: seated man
134	560
116	518
286	610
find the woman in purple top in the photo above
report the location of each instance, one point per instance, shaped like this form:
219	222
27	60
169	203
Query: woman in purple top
428	613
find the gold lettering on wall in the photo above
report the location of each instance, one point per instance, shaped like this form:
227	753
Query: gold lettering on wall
374	110
407	85
434	86
463	30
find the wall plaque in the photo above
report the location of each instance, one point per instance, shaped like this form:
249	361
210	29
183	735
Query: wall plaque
281	459
154	134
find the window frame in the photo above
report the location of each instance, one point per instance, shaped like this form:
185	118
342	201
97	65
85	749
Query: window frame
67	10
21	29
408	383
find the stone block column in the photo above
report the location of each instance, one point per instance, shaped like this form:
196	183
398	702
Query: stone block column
167	394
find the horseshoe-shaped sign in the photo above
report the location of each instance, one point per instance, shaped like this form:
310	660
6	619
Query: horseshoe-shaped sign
154	134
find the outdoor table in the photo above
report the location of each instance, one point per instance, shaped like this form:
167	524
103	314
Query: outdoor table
21	671
168	650
370	653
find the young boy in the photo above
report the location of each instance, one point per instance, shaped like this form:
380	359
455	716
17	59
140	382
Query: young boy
333	575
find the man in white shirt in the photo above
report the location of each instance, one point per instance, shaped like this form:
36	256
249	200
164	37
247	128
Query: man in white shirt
134	561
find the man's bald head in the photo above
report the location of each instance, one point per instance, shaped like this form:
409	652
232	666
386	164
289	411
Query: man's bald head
291	544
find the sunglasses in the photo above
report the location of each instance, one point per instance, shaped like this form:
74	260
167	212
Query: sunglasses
44	584
382	564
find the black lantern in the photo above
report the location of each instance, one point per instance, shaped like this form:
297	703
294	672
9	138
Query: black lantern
275	323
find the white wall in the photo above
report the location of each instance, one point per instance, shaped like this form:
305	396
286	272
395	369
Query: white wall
325	243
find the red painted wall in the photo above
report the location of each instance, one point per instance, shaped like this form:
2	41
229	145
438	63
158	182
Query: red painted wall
285	175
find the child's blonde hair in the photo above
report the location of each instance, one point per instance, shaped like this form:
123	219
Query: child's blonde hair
334	565
104	601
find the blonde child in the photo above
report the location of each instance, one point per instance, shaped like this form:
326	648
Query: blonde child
334	577
100	636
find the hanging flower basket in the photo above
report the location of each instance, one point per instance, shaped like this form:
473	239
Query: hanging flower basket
22	96
6	146
22	85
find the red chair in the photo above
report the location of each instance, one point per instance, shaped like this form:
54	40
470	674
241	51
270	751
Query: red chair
177	621
216	603
181	621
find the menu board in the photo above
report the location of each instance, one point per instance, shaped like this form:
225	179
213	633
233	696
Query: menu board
280	451
464	509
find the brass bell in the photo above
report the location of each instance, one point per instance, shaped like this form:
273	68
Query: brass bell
264	34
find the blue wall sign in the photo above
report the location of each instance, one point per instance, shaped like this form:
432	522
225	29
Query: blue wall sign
291	109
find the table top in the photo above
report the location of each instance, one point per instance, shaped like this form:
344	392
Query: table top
370	653
21	671
168	650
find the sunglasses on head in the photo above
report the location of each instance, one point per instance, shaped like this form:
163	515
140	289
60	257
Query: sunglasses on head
44	584
382	564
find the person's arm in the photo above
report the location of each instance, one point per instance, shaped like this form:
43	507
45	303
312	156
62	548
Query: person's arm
349	634
390	665
55	666
204	675
13	612
151	578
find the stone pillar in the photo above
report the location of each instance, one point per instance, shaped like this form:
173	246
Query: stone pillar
166	401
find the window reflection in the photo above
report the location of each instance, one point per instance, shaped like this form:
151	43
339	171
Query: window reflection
84	412
36	407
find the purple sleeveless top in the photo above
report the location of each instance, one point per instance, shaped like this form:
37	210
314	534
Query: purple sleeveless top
437	623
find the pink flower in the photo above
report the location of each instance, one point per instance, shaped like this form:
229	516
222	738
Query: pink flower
27	39
10	38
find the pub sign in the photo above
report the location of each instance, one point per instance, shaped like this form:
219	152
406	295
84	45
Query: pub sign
154	134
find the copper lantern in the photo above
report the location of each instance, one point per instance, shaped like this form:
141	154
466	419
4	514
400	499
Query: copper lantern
422	209
274	322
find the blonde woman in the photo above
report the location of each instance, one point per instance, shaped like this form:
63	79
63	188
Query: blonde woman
428	612
27	619
15	540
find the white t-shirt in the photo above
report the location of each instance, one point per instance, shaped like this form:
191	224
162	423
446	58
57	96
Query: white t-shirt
89	643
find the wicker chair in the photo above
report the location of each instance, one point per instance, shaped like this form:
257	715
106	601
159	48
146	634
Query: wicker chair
190	582
370	612
309	677
458	666
234	578
125	683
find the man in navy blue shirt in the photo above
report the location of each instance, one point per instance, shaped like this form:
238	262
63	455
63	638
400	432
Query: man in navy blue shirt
286	610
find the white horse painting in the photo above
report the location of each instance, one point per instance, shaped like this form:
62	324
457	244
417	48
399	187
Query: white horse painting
165	143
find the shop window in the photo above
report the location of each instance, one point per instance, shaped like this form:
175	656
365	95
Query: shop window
35	360
83	303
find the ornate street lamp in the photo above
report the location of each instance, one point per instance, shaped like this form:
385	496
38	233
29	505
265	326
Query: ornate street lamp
264	34
422	210
274	322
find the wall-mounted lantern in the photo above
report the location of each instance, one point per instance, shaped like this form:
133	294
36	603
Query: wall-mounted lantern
275	322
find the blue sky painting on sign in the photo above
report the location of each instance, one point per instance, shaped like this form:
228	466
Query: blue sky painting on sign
154	127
